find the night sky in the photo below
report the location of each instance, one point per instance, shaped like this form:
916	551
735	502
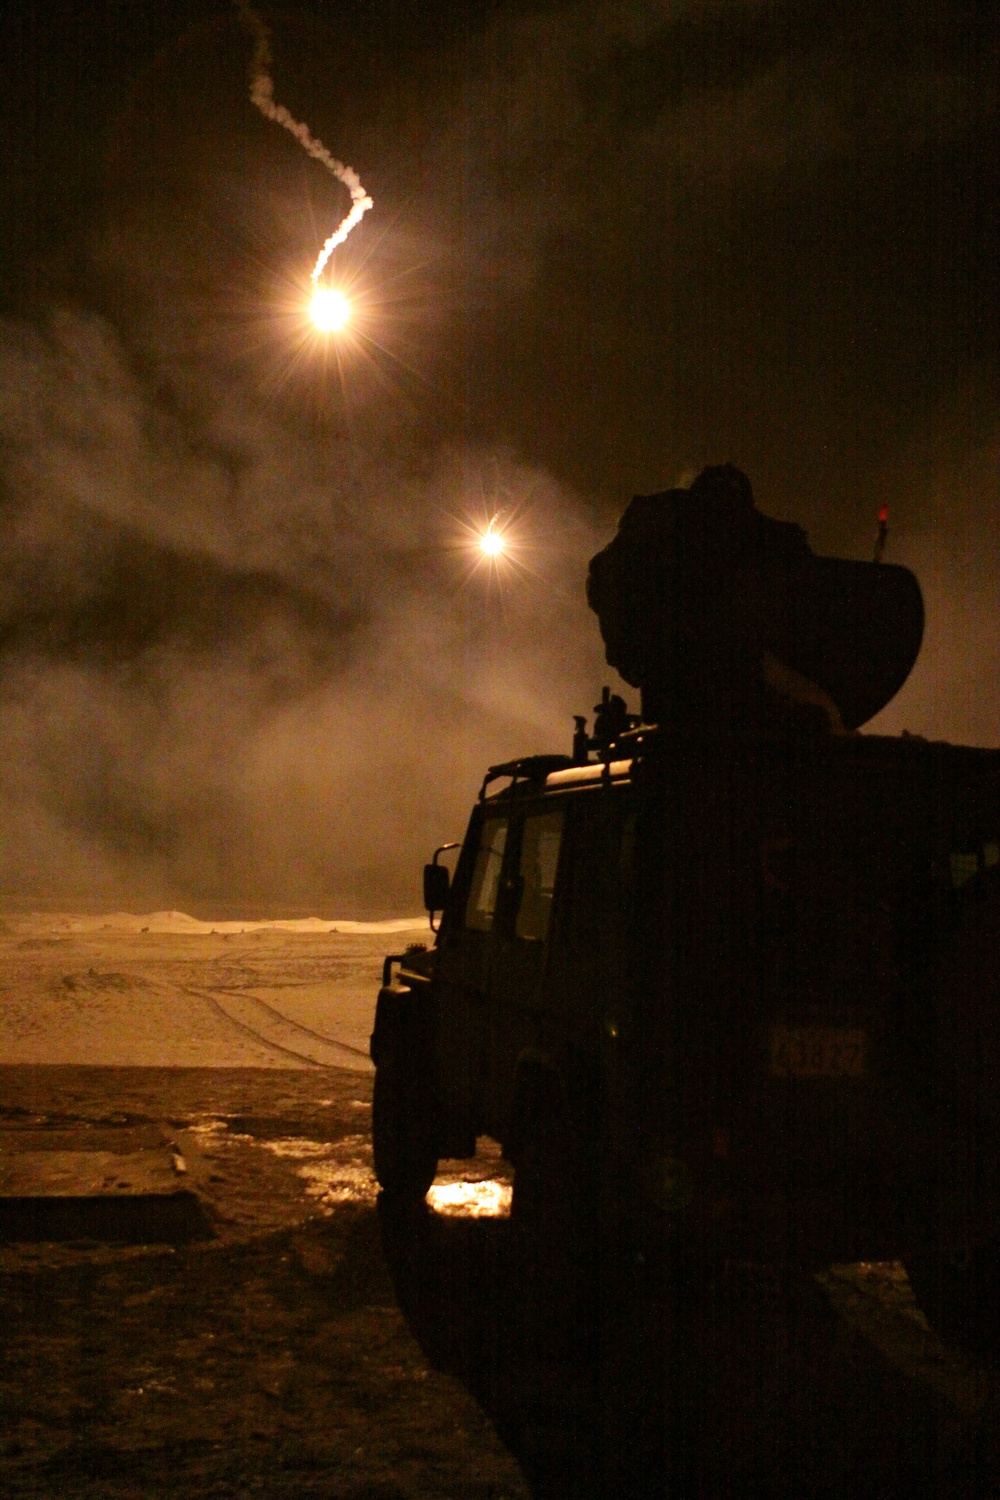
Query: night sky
243	658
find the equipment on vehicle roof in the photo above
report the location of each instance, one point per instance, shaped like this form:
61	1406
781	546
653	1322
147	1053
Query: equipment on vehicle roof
726	618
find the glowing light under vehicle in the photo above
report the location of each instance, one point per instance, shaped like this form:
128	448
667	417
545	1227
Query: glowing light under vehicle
471	1200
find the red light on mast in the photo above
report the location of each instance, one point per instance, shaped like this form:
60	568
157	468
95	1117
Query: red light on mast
882	533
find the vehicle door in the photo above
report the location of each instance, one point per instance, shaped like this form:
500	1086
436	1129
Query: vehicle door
586	1000
462	985
516	977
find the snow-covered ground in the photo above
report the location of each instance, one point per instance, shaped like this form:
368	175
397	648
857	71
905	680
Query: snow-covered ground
164	989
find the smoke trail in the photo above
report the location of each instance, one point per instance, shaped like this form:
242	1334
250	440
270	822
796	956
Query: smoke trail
262	95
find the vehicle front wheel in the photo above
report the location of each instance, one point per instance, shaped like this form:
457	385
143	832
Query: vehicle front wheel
404	1140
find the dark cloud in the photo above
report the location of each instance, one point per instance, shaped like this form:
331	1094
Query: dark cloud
236	666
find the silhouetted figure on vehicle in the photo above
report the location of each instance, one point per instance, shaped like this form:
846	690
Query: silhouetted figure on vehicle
727	621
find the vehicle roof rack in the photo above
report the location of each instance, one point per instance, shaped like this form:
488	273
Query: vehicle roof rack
632	742
532	768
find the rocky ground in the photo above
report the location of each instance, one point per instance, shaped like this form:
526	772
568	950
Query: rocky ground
203	1296
268	1358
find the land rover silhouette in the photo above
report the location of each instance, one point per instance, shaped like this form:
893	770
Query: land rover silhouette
726	975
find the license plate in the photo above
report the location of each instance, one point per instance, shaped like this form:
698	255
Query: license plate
817	1052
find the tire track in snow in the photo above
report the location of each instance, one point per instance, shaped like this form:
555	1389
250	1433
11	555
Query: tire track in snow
328	1041
240	1024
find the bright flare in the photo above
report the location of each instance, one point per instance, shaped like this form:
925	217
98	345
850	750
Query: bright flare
492	543
330	309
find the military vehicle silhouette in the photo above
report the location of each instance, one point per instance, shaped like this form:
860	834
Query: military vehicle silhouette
725	977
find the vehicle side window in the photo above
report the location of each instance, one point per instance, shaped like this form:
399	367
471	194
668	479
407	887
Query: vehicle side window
540	841
482	902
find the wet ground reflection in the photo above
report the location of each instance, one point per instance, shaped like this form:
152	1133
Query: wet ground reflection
334	1175
341	1172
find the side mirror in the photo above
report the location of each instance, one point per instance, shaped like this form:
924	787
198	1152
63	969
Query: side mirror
437	883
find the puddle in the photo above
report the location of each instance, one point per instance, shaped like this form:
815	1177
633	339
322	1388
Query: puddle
340	1172
335	1183
335	1172
298	1146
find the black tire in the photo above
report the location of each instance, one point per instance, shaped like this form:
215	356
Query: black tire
404	1138
954	1257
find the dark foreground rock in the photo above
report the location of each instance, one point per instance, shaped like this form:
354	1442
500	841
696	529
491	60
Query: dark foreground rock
269	1360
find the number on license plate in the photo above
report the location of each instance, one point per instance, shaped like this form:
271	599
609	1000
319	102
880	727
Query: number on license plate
817	1052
